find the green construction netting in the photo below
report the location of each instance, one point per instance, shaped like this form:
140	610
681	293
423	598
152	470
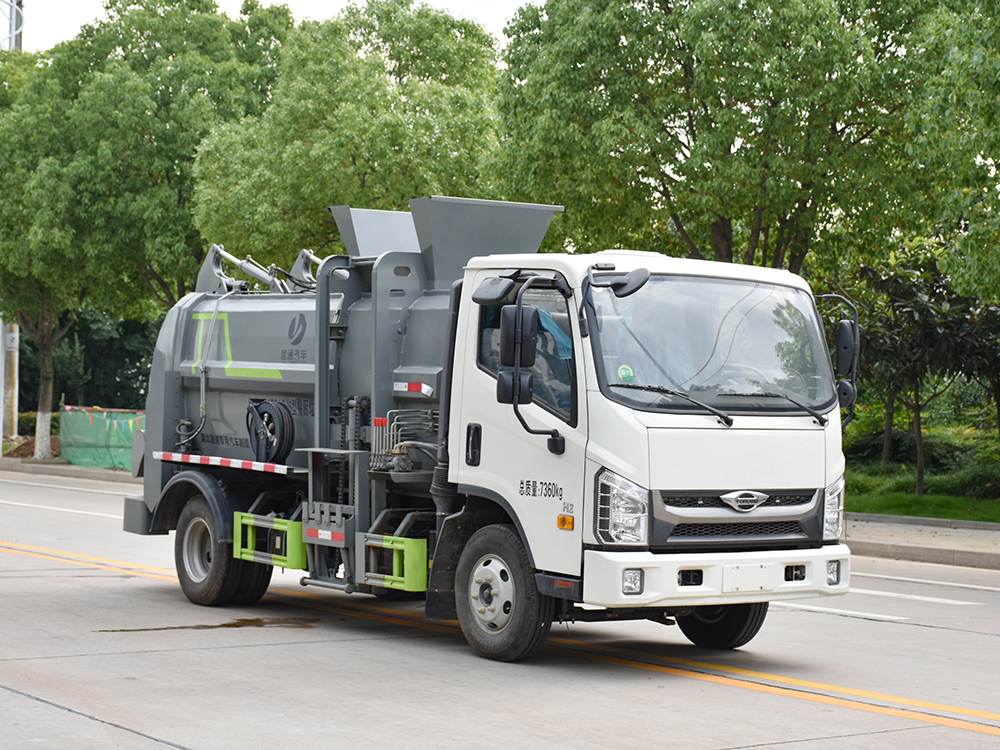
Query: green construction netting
95	437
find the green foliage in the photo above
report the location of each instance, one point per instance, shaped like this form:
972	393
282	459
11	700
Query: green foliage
106	365
738	130
960	462
955	136
379	105
26	423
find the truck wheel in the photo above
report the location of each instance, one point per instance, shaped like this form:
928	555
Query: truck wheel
724	626
500	610
207	570
253	582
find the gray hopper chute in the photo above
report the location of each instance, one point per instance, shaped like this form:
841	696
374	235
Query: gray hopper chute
367	233
453	230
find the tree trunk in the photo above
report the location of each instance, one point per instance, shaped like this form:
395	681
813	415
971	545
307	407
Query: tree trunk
722	239
918	436
43	331
890	413
46	376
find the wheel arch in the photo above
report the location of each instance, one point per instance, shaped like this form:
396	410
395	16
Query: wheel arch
482	507
181	488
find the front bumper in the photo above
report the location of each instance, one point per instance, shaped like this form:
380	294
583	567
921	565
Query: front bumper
727	578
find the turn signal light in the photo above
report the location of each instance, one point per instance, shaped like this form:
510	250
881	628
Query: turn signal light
565	522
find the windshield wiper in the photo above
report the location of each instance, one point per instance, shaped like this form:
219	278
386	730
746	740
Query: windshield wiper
770	394
723	417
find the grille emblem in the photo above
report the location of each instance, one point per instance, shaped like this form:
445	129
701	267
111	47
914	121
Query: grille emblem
744	500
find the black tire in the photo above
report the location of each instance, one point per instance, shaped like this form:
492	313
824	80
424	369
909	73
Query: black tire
207	570
725	626
502	614
253	582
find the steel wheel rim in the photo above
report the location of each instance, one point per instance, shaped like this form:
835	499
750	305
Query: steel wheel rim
492	594
197	550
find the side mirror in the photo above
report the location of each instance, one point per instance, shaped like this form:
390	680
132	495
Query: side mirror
846	394
845	347
631	283
509	335
505	387
492	291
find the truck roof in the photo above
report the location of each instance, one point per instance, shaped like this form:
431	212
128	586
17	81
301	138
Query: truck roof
574	266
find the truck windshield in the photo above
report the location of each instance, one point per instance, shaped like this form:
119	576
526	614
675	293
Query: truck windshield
732	345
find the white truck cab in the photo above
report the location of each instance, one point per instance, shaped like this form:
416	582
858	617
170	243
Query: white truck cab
699	457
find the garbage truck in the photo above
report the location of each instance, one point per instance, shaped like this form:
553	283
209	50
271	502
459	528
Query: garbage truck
518	437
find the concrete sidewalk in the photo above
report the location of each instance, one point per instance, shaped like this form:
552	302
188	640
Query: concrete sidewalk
969	544
966	543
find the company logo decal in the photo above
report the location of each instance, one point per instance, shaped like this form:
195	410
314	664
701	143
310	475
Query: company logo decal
744	500
297	329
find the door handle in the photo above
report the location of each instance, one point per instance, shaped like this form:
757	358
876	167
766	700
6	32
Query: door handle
473	444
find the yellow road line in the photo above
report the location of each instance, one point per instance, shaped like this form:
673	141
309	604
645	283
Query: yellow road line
788	692
823	686
571	647
100	563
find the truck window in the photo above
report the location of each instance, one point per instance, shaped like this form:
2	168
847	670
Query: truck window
553	369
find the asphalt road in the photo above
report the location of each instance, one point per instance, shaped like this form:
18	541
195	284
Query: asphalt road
100	649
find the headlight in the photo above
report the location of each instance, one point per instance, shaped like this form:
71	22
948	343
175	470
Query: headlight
622	510
833	511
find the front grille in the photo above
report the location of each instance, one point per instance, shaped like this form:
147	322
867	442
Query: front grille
704	500
730	530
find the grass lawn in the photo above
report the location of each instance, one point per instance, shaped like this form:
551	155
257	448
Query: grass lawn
926	506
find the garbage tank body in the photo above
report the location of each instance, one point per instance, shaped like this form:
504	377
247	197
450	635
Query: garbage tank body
387	340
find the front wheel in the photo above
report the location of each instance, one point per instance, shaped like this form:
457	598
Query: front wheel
206	568
502	614
725	626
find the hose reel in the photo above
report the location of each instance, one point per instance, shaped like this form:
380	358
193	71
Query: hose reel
271	429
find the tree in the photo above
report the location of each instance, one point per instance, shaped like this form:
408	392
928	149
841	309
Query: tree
955	138
97	141
734	129
379	105
916	327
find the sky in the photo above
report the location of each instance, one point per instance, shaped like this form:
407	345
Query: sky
48	22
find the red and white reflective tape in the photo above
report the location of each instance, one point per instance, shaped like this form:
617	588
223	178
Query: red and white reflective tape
228	463
330	536
421	388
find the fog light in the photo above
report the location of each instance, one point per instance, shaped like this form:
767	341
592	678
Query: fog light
632	581
832	572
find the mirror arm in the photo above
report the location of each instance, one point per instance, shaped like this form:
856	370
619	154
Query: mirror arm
857	350
556	442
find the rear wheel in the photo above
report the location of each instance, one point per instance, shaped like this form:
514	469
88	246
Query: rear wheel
725	626
253	582
502	614
207	571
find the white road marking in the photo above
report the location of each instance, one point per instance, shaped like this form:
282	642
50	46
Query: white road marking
62	510
915	597
847	612
971	586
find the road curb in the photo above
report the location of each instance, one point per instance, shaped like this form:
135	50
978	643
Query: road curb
947	523
64	469
917	553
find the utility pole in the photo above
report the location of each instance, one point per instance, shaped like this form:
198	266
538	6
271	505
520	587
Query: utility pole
10	37
11	342
14	10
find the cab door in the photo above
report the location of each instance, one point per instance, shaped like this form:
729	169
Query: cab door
496	457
